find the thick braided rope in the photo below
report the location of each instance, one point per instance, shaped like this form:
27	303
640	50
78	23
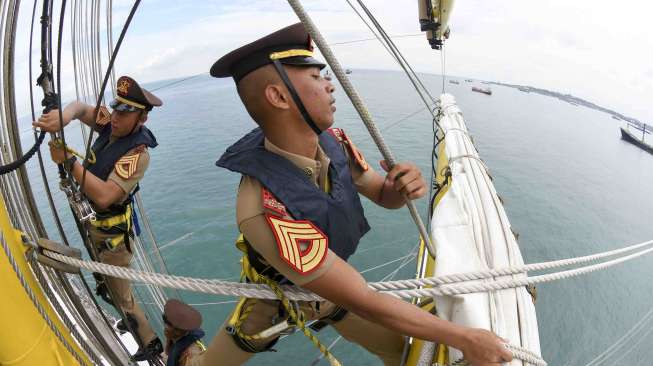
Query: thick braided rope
465	288
36	303
525	355
498	272
216	287
360	108
219	287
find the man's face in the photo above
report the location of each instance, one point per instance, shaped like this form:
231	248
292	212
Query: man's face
123	123
315	91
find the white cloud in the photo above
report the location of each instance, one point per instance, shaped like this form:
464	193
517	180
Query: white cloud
596	50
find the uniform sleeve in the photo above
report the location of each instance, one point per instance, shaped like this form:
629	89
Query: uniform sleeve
252	223
129	183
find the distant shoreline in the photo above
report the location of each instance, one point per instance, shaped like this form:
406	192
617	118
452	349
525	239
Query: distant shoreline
569	99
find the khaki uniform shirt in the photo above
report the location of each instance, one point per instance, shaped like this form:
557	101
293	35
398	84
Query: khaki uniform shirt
250	214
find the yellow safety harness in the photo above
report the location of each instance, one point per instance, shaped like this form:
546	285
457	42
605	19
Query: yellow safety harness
114	221
243	310
59	144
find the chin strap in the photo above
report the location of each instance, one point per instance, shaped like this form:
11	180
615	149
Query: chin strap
295	97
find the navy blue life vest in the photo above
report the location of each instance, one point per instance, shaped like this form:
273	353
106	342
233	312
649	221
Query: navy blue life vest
108	154
339	214
182	344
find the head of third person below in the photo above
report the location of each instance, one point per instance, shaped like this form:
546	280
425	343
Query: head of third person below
292	232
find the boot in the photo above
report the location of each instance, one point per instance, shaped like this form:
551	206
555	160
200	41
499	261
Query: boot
122	327
150	352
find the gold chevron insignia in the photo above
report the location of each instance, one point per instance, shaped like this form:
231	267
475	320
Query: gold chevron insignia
126	166
301	244
103	116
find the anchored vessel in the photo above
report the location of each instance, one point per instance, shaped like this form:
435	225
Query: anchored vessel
629	136
487	91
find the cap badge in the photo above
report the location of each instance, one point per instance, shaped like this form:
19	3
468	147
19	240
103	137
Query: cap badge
123	87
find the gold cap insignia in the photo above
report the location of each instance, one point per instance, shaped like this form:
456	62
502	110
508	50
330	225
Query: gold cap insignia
123	86
301	244
126	166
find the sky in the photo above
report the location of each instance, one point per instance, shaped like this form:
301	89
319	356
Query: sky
598	50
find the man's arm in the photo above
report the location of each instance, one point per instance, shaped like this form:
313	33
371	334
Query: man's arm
104	193
49	122
402	179
343	285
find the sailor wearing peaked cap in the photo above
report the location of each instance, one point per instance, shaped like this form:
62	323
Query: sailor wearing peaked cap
290	46
121	158
300	216
179	315
183	333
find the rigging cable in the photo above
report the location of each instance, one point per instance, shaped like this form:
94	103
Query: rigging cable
389	45
104	83
360	108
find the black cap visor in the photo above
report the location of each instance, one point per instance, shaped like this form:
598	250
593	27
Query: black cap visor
302	61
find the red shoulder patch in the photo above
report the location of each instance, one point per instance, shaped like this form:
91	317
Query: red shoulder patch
301	244
270	202
139	149
354	153
338	133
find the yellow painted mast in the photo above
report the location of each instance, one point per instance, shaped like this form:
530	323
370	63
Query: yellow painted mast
26	338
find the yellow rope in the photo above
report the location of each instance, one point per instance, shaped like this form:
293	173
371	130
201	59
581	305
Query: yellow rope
296	316
59	144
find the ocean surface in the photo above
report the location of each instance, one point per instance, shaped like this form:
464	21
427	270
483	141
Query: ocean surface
570	185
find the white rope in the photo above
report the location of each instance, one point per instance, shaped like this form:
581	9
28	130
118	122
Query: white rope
464	288
498	272
220	287
525	355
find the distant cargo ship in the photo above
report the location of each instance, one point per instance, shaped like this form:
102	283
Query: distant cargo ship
627	135
487	91
454	82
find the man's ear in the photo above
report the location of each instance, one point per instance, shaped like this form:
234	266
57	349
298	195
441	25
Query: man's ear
277	96
143	117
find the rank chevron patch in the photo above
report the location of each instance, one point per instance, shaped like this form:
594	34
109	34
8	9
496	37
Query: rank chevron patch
301	244
126	166
103	116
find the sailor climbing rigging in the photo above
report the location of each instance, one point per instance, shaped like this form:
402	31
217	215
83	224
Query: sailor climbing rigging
120	161
300	216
